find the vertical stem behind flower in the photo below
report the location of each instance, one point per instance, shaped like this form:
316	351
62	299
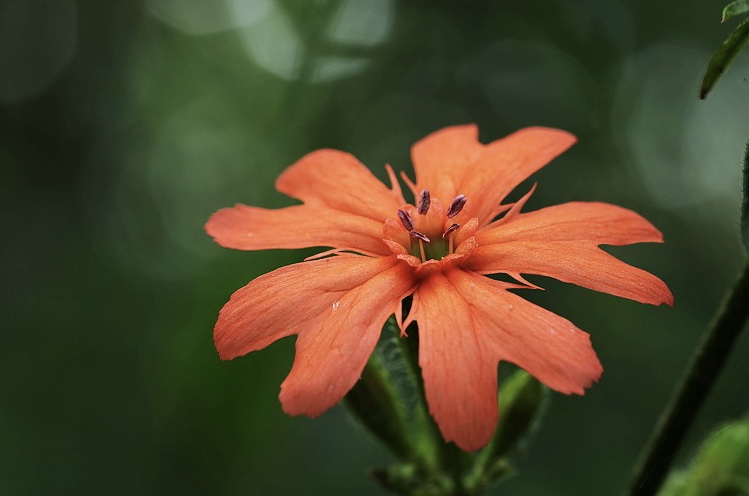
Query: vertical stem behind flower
693	388
745	200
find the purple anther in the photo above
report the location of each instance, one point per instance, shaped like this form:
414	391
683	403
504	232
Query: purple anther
418	235
406	220
424	201
450	230
456	206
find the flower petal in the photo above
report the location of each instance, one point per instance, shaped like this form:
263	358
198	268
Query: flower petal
337	180
344	207
596	222
337	306
467	324
507	162
562	242
300	226
330	358
452	161
442	159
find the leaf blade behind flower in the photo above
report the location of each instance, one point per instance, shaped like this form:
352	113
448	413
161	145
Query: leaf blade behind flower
737	7
724	56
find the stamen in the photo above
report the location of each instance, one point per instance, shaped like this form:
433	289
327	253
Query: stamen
420	236
450	230
421	249
456	206
424	201
406	220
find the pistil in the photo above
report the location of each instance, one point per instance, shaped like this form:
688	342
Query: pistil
432	244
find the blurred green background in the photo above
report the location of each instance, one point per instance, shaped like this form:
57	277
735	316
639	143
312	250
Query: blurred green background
124	125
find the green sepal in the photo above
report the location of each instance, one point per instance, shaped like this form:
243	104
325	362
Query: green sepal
407	479
724	56
389	402
522	401
720	468
745	200
375	402
735	8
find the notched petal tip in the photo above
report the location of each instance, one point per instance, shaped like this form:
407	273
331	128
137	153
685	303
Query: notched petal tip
223	224
549	134
667	297
294	406
288	181
447	135
225	352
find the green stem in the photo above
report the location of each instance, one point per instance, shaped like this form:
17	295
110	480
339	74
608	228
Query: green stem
693	388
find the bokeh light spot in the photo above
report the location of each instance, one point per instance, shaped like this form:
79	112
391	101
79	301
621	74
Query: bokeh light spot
687	151
273	43
366	22
332	68
199	17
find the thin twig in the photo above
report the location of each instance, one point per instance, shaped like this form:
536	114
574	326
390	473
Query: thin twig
692	390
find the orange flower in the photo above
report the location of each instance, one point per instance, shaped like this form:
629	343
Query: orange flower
438	250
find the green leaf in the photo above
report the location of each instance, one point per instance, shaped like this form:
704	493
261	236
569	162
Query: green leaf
724	56
735	8
745	201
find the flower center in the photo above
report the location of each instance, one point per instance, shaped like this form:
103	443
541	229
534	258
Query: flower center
431	230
